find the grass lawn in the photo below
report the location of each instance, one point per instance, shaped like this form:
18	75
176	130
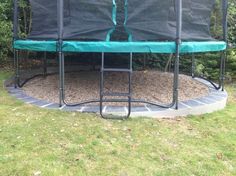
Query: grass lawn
36	141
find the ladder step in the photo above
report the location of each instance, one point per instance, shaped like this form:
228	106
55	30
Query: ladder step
115	94
115	100
116	70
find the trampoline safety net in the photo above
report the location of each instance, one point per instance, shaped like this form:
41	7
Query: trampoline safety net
83	19
156	19
148	20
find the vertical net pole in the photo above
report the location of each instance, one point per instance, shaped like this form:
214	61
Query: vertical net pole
15	36
225	37
225	19
60	53
15	20
177	57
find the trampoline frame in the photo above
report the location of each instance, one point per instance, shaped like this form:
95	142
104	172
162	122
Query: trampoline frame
61	55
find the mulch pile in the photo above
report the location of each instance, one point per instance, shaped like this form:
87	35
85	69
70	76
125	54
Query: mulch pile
147	85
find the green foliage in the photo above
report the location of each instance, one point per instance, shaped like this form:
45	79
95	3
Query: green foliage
5	29
231	64
24	18
6	17
232	22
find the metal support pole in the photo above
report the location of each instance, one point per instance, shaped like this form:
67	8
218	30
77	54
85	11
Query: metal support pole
101	83
16	68
15	20
177	53
45	64
15	36
60	53
130	83
176	78
60	80
63	76
131	67
193	65
222	69
225	4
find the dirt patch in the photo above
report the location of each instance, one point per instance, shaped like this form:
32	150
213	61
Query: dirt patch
147	85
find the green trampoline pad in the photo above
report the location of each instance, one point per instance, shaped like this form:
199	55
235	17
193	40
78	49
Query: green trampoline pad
121	47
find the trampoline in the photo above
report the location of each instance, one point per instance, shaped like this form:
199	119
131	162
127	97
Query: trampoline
152	26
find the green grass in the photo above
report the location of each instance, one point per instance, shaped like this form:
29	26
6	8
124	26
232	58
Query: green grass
62	143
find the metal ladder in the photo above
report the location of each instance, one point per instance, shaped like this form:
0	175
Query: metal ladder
104	94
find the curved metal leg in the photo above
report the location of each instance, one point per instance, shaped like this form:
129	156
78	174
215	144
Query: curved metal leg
221	74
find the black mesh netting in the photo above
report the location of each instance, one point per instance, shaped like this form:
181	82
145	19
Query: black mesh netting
156	19
83	19
148	20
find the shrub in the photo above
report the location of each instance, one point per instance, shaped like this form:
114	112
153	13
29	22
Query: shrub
5	30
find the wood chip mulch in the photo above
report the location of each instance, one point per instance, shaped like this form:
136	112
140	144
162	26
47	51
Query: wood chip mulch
147	85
